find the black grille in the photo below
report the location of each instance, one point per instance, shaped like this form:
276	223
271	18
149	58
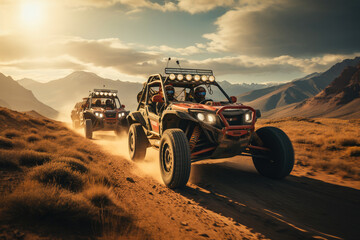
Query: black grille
111	114
234	117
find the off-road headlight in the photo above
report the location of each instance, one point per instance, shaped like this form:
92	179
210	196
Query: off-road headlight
200	116
197	77
97	93
206	117
212	78
204	78
101	93
248	117
211	118
172	76
189	77
100	115
121	114
106	94
180	77
114	94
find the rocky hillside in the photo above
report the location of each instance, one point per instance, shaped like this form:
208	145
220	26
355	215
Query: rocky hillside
296	91
341	99
15	96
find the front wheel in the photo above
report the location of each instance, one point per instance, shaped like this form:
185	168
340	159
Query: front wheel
137	142
88	128
175	160
279	161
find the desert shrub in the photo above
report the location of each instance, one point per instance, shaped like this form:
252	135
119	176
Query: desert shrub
67	141
100	196
73	163
33	130
58	174
45	146
349	142
354	151
33	138
6	143
49	136
9	160
37	122
49	206
31	158
51	127
72	153
12	133
98	175
19	143
304	141
333	147
5	112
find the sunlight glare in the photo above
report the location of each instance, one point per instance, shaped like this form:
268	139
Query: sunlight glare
31	13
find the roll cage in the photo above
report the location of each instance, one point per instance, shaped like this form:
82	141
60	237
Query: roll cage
164	80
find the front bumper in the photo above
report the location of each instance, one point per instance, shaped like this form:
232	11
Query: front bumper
229	141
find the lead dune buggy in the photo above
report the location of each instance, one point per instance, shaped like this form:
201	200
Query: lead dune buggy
102	110
187	131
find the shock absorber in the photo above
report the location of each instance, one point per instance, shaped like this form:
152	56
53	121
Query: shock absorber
194	137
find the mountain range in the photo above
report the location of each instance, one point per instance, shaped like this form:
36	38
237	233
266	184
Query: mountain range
16	97
340	99
296	91
288	99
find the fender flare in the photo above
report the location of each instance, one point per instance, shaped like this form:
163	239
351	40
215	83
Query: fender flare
136	117
173	113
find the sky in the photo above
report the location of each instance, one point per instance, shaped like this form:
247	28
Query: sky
243	41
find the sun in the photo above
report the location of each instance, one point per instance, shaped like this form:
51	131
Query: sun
31	13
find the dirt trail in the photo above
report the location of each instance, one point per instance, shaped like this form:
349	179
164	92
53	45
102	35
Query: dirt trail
225	199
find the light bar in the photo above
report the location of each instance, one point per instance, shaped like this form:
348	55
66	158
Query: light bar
185	71
106	90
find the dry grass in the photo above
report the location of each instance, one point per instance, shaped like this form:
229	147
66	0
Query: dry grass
64	184
100	196
329	145
60	175
7	160
11	133
31	158
6	143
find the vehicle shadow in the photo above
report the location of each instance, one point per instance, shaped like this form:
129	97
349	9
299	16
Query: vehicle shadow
293	208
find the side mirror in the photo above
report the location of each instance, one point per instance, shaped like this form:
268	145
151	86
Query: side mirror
258	113
122	106
157	98
233	99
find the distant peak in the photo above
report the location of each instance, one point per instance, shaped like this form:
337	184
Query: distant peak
82	73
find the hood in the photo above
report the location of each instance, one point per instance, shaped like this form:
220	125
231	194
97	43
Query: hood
185	106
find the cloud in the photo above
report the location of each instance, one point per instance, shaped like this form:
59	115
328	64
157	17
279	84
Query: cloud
73	53
288	27
199	6
186	51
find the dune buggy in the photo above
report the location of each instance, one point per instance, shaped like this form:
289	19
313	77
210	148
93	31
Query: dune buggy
187	130
102	110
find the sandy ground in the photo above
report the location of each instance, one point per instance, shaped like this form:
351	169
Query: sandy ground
227	199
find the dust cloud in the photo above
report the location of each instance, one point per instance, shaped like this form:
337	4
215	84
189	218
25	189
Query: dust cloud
119	146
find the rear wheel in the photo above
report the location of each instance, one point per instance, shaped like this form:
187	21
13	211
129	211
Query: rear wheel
137	142
280	158
88	129
175	160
